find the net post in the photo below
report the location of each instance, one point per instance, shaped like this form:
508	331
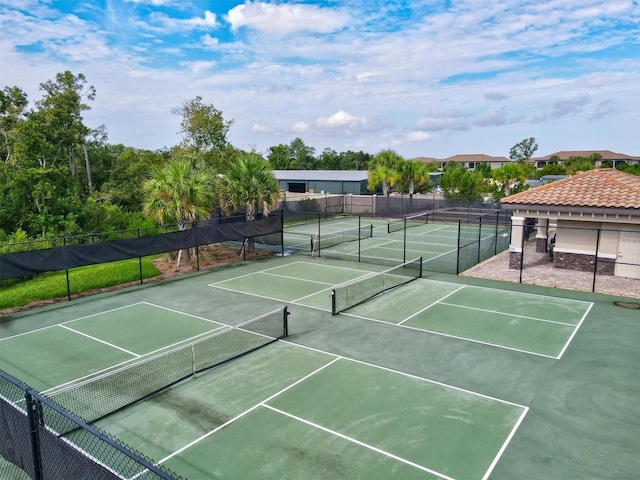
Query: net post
479	239
420	259
285	322
193	360
333	302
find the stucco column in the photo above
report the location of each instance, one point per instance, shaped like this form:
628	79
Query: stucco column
515	247
542	235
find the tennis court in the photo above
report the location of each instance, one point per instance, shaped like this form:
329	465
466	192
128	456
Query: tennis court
431	378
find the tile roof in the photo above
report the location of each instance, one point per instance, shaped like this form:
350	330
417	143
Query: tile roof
475	157
601	188
567	154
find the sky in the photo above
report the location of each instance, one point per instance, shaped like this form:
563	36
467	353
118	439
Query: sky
425	78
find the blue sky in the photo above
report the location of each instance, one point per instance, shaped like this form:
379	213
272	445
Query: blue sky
425	78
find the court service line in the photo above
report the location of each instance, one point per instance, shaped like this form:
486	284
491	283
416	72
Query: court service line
448	335
358	442
68	321
100	341
505	444
295	278
405	374
508	314
528	294
430	305
575	331
183	313
253	273
249	410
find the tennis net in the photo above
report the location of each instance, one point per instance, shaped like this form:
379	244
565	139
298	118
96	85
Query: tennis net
360	290
408	221
331	239
110	391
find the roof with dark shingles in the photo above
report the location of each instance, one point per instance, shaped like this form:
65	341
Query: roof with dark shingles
603	188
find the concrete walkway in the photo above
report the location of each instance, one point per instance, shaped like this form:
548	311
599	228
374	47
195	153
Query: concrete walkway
540	270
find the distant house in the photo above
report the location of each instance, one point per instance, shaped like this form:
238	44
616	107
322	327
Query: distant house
469	161
593	211
616	159
323	181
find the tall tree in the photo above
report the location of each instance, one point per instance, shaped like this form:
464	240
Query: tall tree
204	131
248	183
523	151
460	184
179	193
13	104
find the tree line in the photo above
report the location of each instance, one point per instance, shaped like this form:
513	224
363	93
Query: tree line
60	177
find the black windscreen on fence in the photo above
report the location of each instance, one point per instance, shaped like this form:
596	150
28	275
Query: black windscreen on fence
21	264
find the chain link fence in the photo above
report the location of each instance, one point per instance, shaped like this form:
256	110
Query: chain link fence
33	447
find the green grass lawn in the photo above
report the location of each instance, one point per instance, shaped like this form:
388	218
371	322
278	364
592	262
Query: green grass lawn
54	284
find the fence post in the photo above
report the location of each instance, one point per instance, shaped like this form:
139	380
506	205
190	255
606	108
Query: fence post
359	235
140	262
522	235
479	239
595	261
34	416
458	249
282	232
404	241
66	271
495	249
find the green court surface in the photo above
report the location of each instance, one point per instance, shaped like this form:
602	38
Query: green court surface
443	377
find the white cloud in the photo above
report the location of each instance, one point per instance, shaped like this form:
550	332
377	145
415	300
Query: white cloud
209	41
340	119
300	127
417	136
209	20
261	128
151	2
437	121
495	96
284	19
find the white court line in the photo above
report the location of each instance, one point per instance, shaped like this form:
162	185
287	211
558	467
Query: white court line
69	321
249	410
295	278
253	273
508	314
409	375
527	294
358	442
505	444
575	331
448	335
431	305
100	341
183	313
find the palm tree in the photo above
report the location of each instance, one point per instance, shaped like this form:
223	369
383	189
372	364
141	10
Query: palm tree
385	169
382	175
248	183
414	173
179	192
